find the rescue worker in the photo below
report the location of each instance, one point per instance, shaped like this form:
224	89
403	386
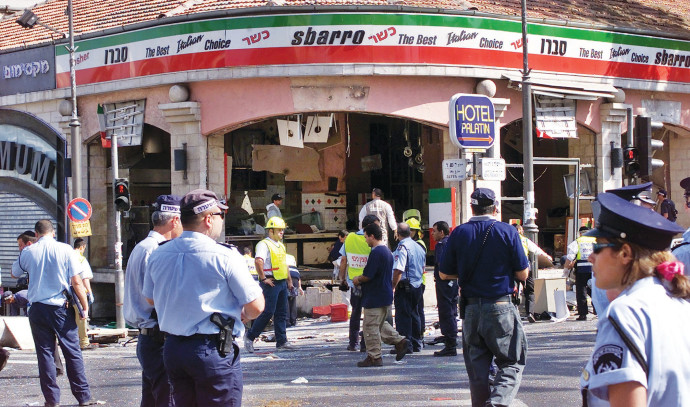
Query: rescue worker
417	235
530	247
274	279
251	263
446	295
53	268
486	257
155	389
641	355
578	255
195	285
86	275
408	269
383	210
354	255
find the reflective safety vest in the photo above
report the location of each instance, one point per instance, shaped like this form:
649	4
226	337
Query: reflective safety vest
251	265
523	240
279	266
357	251
585	247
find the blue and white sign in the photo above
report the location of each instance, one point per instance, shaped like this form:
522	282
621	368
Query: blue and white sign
472	122
79	210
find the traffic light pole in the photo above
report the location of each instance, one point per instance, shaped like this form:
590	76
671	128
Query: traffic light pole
119	274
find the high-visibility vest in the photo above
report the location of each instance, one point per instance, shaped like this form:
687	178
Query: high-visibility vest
585	245
251	265
357	251
523	240
279	266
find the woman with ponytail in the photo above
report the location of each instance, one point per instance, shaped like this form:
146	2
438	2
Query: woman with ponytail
642	352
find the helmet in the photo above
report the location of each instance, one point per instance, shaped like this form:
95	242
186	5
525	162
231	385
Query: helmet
275	223
414	224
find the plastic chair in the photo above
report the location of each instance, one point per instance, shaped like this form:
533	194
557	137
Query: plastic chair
411	213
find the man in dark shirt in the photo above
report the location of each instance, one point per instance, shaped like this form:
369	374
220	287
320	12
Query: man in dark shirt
486	256
18	301
667	208
446	295
377	297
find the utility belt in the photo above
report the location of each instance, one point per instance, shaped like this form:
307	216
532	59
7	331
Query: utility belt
154	333
404	286
583	266
480	301
224	339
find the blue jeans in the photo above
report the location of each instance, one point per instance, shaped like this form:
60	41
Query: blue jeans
48	322
155	389
276	298
493	330
199	376
407	321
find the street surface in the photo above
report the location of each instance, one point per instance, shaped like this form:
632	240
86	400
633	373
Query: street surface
557	353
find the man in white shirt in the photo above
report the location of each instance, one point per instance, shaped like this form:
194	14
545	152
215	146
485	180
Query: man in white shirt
382	209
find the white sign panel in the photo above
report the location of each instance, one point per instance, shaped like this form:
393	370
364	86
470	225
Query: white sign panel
492	169
454	169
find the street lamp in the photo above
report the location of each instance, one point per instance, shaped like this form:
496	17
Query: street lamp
29	20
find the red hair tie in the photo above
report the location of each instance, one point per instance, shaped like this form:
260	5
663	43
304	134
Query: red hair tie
669	269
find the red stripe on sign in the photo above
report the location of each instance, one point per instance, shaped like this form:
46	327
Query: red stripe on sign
371	54
77	209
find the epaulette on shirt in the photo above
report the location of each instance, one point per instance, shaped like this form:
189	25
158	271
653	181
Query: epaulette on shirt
163	242
229	246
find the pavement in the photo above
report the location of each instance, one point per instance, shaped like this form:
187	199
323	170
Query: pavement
321	372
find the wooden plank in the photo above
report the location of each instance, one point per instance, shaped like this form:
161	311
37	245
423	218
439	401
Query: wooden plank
298	164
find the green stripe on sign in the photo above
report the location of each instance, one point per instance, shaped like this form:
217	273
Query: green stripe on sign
440	195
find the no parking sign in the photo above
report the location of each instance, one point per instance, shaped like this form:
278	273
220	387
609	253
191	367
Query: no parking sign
79	212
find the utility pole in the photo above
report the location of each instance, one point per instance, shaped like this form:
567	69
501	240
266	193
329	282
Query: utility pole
529	224
74	124
119	274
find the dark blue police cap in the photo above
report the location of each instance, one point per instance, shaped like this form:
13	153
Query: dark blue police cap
630	192
621	219
168	203
483	197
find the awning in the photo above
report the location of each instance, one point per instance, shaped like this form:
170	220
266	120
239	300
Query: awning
563	89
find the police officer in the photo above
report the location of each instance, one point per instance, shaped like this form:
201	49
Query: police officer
578	255
408	268
446	295
682	250
486	257
275	281
155	390
189	280
52	268
354	254
642	350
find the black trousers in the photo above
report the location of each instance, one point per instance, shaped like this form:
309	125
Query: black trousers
581	292
447	301
529	294
407	321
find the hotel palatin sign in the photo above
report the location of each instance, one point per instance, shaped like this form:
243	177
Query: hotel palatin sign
347	38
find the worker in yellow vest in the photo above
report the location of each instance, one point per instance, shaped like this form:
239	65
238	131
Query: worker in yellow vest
251	263
271	265
417	235
354	255
578	255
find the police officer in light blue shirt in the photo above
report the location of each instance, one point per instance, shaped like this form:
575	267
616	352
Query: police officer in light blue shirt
408	268
52	268
189	279
155	390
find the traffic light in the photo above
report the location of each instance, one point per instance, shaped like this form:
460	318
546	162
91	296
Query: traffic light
631	158
122	201
646	145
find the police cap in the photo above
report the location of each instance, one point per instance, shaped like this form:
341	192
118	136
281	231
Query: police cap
277	197
631	192
168	203
685	184
198	201
483	197
621	219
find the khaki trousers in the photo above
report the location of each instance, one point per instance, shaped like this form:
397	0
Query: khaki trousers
82	327
377	329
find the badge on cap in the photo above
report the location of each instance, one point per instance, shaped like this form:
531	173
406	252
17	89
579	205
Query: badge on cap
169	208
204	206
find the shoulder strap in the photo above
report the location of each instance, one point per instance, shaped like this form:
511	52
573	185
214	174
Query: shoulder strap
629	343
672	249
469	276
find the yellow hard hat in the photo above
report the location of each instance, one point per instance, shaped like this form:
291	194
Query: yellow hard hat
275	223
414	224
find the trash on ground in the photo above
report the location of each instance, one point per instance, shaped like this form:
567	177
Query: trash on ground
300	380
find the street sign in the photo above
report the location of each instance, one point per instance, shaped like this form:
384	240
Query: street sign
79	210
80	229
492	169
472	122
455	169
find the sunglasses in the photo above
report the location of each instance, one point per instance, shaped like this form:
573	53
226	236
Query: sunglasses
598	247
221	214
